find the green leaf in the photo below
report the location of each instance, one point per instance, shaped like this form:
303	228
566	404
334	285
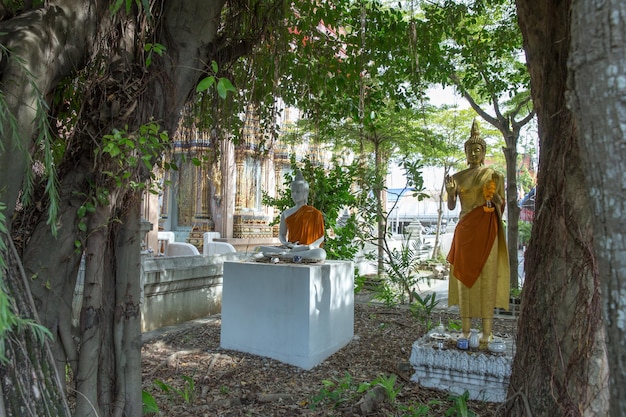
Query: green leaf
205	84
164	386
223	86
149	403
112	149
146	7
116	6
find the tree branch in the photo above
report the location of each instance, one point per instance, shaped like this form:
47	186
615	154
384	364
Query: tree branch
525	120
230	52
482	113
496	107
490	119
520	105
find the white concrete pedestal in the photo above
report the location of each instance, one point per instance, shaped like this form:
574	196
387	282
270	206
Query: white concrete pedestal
299	314
484	375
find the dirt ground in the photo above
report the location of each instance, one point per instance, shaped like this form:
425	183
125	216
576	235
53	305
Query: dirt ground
188	374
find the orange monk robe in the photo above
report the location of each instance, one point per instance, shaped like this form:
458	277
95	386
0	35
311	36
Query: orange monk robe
473	240
476	248
491	288
305	226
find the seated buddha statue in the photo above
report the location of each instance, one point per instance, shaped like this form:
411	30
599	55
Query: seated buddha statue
301	230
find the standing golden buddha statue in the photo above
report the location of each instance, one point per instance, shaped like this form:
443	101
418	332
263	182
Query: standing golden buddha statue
479	273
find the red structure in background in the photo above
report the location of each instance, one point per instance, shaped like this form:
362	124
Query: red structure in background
527	206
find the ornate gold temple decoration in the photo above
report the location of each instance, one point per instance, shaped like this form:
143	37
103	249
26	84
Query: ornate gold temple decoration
249	220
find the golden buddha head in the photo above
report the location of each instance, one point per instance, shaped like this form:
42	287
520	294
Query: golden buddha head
473	141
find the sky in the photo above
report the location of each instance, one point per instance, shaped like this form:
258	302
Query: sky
439	96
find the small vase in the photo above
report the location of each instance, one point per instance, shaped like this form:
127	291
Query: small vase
462	344
497	346
474	339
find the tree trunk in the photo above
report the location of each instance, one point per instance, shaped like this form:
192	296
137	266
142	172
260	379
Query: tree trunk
94	318
436	246
512	209
125	296
380	206
560	365
52	274
30	384
51	44
42	51
597	66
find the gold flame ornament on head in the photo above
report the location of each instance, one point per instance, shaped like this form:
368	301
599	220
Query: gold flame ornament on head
475	137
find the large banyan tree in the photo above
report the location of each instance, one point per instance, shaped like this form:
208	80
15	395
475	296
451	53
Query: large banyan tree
89	91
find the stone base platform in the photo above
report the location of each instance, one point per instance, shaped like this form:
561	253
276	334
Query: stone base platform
483	374
297	314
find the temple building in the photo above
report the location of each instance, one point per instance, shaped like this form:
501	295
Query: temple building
218	186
